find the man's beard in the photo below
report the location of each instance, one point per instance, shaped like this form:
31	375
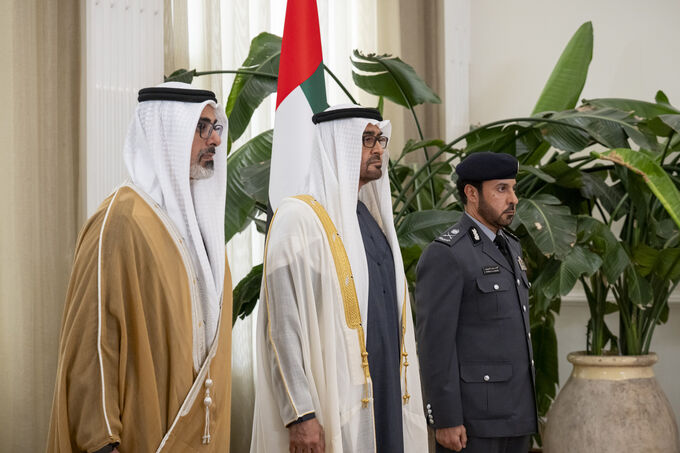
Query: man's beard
368	174
500	220
198	171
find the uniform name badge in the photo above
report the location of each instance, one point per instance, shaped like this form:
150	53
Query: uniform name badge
521	263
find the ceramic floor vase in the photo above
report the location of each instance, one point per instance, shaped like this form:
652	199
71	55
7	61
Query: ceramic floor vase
611	404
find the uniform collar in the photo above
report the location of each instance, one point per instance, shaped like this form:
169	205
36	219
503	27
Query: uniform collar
487	231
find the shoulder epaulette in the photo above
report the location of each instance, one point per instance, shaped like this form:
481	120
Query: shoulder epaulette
450	236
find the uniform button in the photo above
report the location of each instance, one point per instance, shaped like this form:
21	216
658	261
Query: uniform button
529	335
532	362
429	406
486	378
431	422
429	412
524	307
529	284
518	282
496	286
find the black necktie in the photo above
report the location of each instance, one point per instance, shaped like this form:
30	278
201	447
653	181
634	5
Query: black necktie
502	245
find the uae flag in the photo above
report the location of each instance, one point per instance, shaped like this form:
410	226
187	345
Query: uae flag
301	92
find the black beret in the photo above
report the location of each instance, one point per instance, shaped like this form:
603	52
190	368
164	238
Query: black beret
486	165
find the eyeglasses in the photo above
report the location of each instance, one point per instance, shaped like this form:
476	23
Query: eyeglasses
369	141
205	129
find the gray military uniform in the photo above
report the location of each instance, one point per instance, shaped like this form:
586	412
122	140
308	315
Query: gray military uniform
473	334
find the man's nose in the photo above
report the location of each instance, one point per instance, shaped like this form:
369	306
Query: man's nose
378	148
513	197
214	139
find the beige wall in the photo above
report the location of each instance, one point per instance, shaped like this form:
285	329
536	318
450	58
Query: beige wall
39	50
513	48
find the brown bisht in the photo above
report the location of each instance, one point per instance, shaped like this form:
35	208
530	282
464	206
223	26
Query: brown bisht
134	367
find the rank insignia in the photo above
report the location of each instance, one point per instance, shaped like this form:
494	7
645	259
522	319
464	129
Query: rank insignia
474	235
491	270
521	263
448	236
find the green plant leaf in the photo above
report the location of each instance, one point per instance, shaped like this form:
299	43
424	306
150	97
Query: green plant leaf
654	176
249	90
422	227
240	203
565	176
543	176
595	187
600	240
667	265
497	139
181	75
560	277
390	77
641	109
607	125
246	293
550	225
566	82
661	98
566	138
645	258
638	289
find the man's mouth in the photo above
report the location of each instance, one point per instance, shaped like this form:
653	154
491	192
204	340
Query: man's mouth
207	154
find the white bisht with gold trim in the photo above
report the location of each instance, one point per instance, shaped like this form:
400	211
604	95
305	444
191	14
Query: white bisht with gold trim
314	302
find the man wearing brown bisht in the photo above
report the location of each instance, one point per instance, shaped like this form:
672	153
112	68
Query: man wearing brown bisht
144	355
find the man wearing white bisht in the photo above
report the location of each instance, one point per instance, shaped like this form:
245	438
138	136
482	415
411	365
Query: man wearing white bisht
144	355
337	370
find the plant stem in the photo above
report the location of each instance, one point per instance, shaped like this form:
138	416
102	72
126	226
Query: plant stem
612	216
234	71
342	87
665	150
415	118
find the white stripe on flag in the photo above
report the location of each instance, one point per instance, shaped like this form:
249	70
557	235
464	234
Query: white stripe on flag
294	142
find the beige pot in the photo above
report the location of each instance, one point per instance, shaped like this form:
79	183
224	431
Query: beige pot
611	404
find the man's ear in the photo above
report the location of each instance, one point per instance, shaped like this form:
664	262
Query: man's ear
471	193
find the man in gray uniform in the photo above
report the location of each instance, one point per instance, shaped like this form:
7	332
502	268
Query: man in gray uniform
472	319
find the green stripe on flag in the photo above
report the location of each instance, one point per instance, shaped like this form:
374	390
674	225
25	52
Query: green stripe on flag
315	90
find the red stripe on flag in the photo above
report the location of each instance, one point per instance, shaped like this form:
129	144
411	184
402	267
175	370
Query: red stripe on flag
301	47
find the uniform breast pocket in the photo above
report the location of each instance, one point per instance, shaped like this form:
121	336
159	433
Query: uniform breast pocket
494	299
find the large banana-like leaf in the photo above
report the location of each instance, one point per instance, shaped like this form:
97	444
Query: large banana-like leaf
390	77
246	293
668	123
181	75
599	239
559	277
550	225
658	181
564	175
240	204
566	138
249	90
641	109
566	82
422	227
595	187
